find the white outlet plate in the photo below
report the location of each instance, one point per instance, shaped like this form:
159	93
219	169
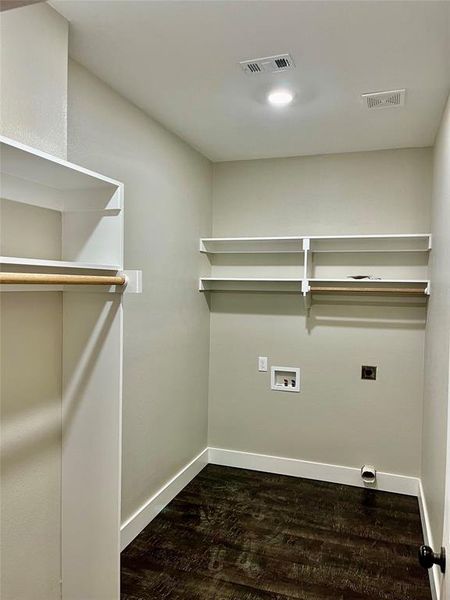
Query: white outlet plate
262	363
280	375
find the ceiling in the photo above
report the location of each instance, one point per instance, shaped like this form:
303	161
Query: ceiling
178	61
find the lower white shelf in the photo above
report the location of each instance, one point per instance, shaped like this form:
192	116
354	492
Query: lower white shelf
316	285
217	284
399	287
55	264
367	281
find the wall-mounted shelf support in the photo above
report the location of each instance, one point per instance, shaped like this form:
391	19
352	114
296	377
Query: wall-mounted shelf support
134	281
306	295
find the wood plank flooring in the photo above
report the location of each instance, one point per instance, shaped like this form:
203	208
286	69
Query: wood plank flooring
234	534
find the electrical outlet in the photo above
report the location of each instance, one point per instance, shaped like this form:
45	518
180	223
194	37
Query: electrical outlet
368	372
262	363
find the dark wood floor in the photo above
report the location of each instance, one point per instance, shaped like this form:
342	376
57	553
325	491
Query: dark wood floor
233	534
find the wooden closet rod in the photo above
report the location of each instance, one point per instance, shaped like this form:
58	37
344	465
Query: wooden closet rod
365	290
61	279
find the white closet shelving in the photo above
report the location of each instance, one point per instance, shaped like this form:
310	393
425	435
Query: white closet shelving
416	242
90	206
84	224
396	263
55	264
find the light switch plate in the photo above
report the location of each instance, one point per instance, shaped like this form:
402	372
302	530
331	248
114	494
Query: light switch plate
262	363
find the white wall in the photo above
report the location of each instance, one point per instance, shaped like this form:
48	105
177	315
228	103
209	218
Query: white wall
31	445
337	418
34	45
438	337
371	192
166	349
33	98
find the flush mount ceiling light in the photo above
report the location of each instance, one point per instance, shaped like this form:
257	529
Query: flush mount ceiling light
280	97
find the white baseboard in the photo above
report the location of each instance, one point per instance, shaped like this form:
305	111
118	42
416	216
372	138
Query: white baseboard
154	505
387	482
434	573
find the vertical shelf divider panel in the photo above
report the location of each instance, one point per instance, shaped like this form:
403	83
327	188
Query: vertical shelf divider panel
91	445
306	269
91	208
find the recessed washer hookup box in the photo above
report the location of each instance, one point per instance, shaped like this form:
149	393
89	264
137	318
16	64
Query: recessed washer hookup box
285	379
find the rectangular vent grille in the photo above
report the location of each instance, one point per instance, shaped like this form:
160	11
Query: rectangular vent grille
384	99
254	67
269	64
282	63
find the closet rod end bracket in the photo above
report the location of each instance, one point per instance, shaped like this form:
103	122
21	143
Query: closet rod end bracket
133	281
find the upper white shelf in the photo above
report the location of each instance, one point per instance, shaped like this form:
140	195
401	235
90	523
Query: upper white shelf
18	261
34	177
296	244
252	245
86	236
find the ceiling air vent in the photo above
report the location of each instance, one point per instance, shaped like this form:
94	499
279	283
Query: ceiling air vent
384	99
269	64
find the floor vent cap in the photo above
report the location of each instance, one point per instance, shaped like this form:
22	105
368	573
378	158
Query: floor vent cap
384	99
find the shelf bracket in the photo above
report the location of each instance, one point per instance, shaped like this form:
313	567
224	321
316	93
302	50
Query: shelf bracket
306	293
306	249
307	302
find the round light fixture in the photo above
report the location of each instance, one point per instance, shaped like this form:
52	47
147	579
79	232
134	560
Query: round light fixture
280	97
